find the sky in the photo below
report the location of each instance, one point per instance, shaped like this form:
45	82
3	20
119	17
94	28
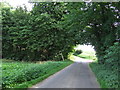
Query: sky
15	3
85	47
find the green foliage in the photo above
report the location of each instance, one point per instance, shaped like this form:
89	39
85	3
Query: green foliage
15	73
107	73
54	28
94	23
112	56
35	35
106	77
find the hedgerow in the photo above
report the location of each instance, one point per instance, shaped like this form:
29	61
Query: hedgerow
105	76
36	34
108	73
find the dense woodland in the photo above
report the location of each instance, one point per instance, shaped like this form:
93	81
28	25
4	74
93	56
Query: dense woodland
50	30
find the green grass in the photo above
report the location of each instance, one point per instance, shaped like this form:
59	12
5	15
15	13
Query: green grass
26	74
106	77
88	55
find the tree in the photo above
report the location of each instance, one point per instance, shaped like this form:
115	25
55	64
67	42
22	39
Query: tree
94	23
35	35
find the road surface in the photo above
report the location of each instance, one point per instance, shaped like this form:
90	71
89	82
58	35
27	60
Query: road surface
77	75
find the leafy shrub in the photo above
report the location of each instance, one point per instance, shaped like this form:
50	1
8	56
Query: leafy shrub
106	77
112	56
35	35
107	73
15	73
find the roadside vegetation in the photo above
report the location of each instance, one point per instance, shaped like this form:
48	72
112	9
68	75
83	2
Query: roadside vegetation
108	75
51	30
25	74
105	76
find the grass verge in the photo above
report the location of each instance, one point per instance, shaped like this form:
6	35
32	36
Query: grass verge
24	75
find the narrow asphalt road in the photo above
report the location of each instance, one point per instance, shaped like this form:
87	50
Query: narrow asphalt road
77	75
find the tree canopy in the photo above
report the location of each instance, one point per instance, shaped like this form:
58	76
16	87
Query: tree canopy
52	28
35	35
97	24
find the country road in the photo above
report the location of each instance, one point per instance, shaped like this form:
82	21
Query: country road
77	75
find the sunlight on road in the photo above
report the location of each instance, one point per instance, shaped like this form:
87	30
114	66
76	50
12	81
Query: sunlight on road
87	50
79	60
